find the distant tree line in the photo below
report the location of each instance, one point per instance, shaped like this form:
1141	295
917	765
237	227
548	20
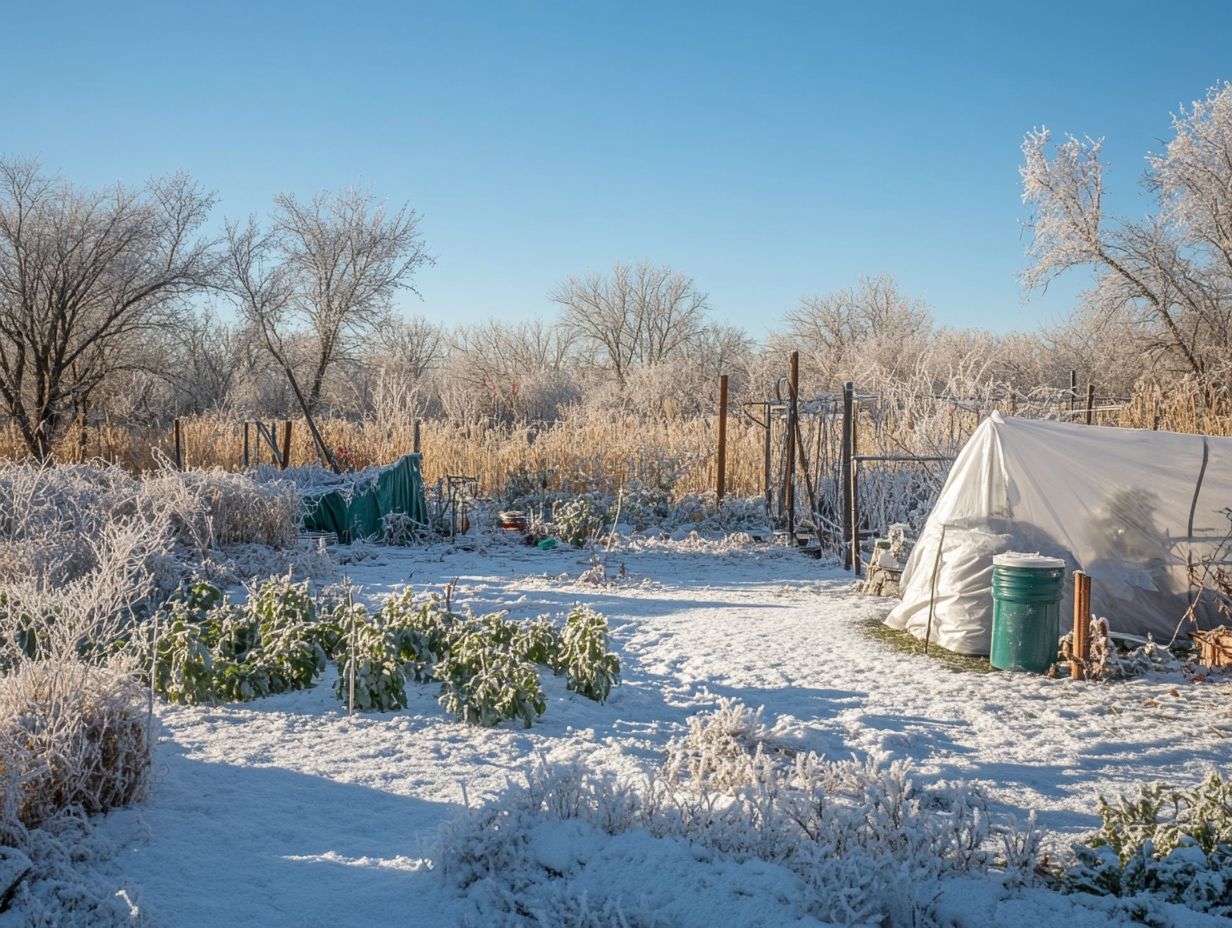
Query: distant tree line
114	301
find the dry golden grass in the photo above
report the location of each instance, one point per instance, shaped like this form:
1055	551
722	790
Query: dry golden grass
585	449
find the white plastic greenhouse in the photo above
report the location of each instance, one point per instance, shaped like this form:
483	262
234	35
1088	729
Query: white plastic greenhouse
1134	509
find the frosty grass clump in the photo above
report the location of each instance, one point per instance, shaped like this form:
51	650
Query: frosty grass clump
856	841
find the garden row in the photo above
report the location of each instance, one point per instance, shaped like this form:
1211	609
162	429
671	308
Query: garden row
201	647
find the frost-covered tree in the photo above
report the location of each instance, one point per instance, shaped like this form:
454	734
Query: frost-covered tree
519	370
639	315
871	331
1172	270
321	280
87	278
411	347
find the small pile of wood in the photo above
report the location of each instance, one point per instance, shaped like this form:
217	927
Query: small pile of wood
1214	646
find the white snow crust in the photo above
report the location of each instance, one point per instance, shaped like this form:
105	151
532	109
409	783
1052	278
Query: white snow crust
287	813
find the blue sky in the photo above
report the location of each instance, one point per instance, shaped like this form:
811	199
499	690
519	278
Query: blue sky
770	150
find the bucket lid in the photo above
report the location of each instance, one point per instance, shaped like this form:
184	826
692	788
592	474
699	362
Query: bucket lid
1036	560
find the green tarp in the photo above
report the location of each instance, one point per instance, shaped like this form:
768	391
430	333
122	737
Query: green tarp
356	509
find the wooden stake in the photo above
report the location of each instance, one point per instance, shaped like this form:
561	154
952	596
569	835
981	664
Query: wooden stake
1090	402
415	437
721	480
179	447
1082	625
351	649
244	458
286	445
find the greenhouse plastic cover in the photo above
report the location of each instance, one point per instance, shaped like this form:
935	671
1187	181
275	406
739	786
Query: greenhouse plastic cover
1115	503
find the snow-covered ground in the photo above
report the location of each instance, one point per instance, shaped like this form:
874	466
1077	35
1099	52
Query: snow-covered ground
287	812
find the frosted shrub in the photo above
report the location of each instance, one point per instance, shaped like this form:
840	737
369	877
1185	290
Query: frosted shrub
292	643
64	885
72	737
53	613
200	647
1168	842
214	509
488	666
177	648
420	633
369	668
579	520
485	680
584	656
643	506
721	748
539	641
867	847
397	528
561	908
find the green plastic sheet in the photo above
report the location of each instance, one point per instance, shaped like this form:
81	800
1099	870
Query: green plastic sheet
356	512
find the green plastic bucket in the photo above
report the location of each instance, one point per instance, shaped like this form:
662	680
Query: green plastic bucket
1026	606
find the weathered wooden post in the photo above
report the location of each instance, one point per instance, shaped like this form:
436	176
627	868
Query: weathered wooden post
721	479
179	446
1073	390
415	436
245	457
83	438
1090	402
286	445
1082	626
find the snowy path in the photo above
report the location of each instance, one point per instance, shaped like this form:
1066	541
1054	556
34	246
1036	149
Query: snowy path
285	812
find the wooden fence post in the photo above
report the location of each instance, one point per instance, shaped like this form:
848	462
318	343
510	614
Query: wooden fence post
245	457
1090	402
1081	648
721	480
179	446
286	445
415	437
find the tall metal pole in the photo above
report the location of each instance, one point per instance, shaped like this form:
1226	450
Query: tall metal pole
845	471
789	484
855	486
721	481
766	458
